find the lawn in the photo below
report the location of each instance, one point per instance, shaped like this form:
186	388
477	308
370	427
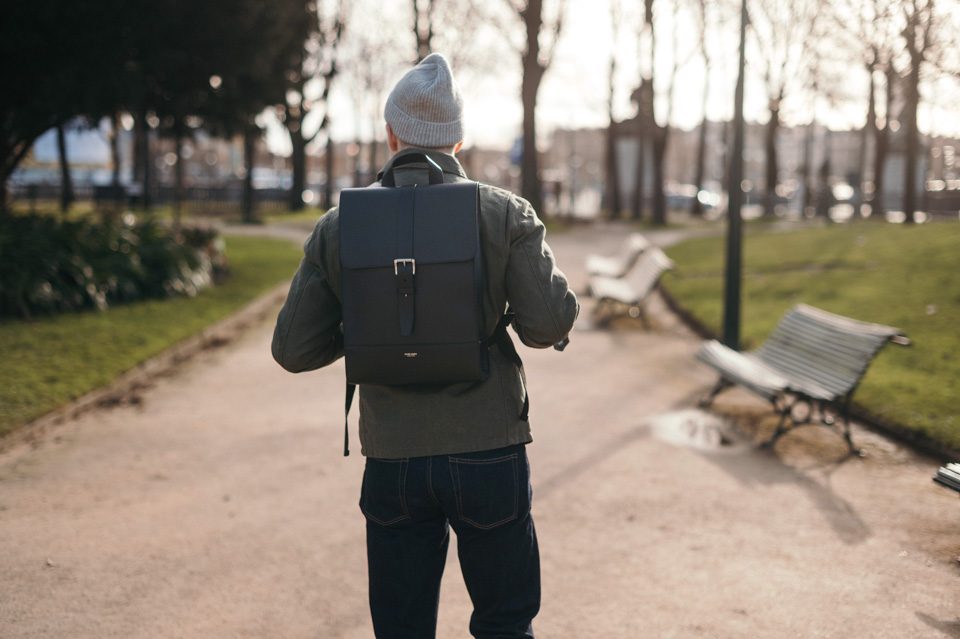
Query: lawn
50	361
904	276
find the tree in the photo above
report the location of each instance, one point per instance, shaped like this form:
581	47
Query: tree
865	29
264	47
308	91
614	205
535	60
921	22
660	131
54	55
423	21
703	18
780	34
653	136
66	182
372	57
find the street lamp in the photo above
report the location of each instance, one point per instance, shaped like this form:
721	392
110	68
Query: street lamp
734	269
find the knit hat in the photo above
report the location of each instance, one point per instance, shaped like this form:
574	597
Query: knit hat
425	107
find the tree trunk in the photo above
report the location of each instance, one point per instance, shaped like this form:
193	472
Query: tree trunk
530	185
638	194
726	134
137	146
869	132
178	173
878	206
328	187
115	150
357	164
250	134
298	165
696	207
372	159
423	28
66	182
807	185
612	167
912	135
143	152
824	194
613	175
772	167
661	135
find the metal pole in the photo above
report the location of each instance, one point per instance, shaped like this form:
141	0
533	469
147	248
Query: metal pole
734	275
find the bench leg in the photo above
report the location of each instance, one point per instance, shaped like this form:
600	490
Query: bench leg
853	450
781	428
721	385
786	415
601	316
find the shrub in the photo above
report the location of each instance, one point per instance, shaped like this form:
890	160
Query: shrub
49	266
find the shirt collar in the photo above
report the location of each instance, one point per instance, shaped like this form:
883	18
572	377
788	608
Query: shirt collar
446	161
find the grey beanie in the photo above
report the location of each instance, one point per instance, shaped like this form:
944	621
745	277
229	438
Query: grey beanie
425	107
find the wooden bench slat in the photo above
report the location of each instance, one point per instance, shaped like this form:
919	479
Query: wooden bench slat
818	352
742	368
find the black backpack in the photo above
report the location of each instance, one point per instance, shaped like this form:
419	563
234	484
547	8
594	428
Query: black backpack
412	284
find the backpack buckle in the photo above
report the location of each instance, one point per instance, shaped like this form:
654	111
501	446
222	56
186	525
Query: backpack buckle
406	260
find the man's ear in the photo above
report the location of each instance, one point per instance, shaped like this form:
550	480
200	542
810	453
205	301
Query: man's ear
393	143
457	147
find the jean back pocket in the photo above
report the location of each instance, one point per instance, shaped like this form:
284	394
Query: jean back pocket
487	490
382	498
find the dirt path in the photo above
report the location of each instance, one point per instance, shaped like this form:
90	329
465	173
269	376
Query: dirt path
220	507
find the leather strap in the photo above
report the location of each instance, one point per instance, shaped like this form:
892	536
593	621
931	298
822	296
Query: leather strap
347	403
405	298
405	267
434	172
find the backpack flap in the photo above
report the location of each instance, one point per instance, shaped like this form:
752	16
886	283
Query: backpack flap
411	284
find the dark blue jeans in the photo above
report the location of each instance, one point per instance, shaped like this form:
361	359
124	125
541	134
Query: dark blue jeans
410	505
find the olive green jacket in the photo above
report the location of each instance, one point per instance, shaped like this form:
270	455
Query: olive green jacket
397	421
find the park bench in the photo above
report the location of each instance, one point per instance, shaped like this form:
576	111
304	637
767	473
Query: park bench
630	292
618	265
949	476
809	366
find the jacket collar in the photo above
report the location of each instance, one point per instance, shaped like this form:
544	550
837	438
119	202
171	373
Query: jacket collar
447	162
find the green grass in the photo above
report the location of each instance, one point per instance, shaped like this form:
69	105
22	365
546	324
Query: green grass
307	216
53	360
907	277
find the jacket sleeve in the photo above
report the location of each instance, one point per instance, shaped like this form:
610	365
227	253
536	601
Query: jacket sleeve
537	290
308	334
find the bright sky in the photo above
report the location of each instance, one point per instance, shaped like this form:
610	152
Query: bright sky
574	90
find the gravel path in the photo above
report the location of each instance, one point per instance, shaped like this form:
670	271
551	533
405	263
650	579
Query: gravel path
220	506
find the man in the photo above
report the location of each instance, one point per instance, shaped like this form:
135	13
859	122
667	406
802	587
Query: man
451	455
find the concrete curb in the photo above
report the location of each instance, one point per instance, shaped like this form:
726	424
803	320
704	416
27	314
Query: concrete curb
917	441
125	387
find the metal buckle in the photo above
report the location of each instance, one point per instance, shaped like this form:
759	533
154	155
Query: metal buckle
406	260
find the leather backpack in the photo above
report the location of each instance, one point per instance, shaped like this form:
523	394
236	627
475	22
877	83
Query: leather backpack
412	284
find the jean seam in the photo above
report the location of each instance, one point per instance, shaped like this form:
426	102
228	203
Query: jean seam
403	488
433	495
460	460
